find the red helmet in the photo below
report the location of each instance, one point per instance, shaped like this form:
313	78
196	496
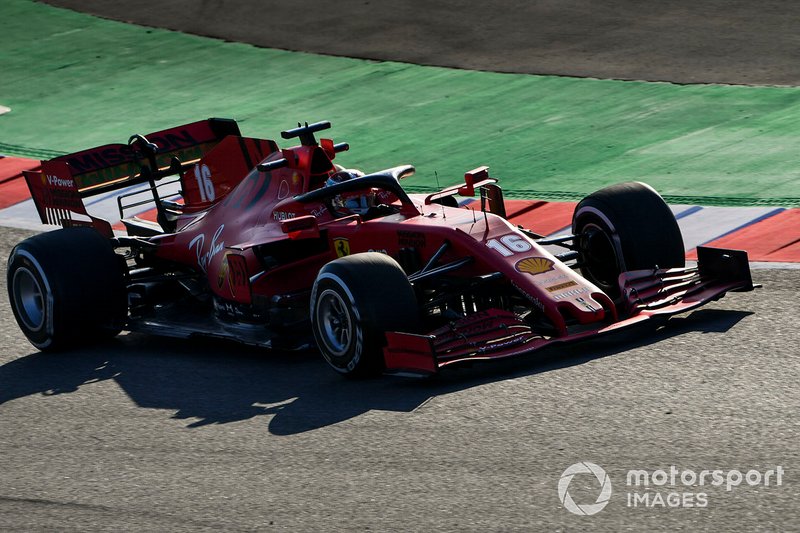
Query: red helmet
343	174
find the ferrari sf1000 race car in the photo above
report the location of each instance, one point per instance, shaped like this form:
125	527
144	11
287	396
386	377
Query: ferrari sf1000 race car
282	248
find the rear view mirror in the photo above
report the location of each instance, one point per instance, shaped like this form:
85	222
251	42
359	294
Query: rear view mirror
304	227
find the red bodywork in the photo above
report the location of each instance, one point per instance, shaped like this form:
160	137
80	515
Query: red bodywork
258	239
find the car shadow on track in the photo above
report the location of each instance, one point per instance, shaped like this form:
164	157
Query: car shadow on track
209	382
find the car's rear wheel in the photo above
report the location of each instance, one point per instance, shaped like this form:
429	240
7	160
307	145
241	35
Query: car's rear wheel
66	287
355	300
625	227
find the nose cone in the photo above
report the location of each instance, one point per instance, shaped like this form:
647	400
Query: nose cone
583	307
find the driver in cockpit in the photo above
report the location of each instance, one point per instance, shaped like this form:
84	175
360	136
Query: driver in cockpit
356	202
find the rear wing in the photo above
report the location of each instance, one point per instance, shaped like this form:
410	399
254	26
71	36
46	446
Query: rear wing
59	188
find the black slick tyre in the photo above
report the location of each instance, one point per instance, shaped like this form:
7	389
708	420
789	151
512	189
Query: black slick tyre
67	288
355	300
625	227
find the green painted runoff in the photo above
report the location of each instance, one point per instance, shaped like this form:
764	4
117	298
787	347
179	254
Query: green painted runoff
73	81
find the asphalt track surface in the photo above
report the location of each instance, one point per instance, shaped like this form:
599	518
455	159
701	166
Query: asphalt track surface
151	434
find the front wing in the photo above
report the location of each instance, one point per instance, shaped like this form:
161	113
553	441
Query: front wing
498	334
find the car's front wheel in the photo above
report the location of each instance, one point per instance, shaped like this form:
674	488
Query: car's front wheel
625	227
355	300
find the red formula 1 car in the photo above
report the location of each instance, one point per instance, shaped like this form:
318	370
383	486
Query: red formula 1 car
281	248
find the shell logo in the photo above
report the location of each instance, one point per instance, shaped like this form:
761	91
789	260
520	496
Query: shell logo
534	265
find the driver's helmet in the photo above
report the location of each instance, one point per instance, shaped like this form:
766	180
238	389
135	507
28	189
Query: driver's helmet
343	174
354	202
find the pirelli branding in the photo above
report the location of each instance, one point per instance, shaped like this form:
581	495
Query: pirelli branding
561	286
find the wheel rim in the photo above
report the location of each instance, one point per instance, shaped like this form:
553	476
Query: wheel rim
29	298
335	323
601	263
